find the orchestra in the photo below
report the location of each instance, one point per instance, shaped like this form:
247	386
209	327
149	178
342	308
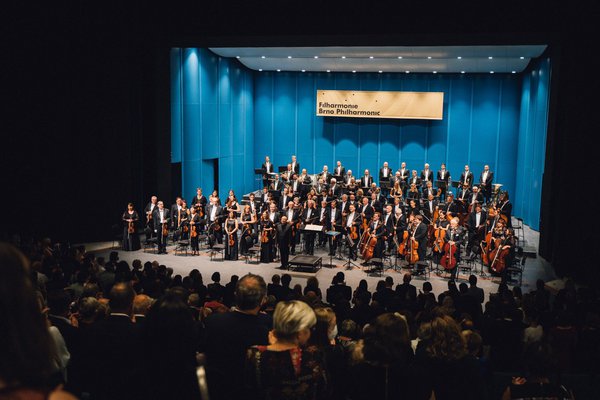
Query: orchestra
410	215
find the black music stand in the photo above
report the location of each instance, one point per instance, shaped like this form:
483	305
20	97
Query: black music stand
349	264
260	171
333	235
282	168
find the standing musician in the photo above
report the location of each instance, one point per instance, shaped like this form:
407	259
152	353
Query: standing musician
385	176
305	182
485	183
231	232
476	197
321	187
273	213
396	192
426	175
339	171
335	189
466	178
352	229
404	175
199	202
377	230
349	178
248	225
344	205
232	204
454	236
286	176
366	211
400	224
214	212
277	184
296	186
131	237
450	206
267	167
398	205
503	236
413	207
184	222
293	217
429	207
366	180
286	197
325	174
419	233
149	210
264	197
295	165
174	213
463	195
444	178
476	225
323	213
441	223
310	216
334	222
414	179
428	190
504	207
161	221
374	202
194	231
284	238
388	223
266	238
253	203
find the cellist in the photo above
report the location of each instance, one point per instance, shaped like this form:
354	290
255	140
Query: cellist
377	230
454	236
503	239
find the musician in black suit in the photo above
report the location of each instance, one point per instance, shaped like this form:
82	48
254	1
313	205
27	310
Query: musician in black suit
295	165
277	184
293	217
334	188
463	195
454	235
388	223
284	236
466	177
149	211
161	217
485	183
366	180
404	175
400	223
214	214
322	213
334	222
353	221
310	216
428	190
429	207
348	177
444	179
366	210
414	179
504	206
426	175
296	186
378	230
175	212
325	175
267	167
476	225
475	196
419	233
339	171
450	206
375	203
285	198
385	177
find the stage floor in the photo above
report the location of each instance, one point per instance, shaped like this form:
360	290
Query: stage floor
535	268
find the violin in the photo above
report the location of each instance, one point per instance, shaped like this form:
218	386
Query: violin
264	236
165	229
448	260
353	232
130	227
194	233
231	240
440	239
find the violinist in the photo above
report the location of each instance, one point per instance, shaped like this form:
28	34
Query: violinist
232	203
344	205
334	188
284	237
348	177
253	204
199	200
214	212
231	232
396	191
440	227
476	197
293	217
322	213
388	223
450	207
194	231
485	183
454	236
175	213
419	233
444	178
149	210
366	211
248	225
182	232
286	175
131	237
266	238
334	222
414	180
476	226
502	239
351	228
413	207
161	222
310	216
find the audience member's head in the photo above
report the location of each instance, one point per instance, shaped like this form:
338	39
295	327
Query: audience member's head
386	340
286	279
141	304
473	280
250	292
326	328
292	322
473	342
442	339
121	298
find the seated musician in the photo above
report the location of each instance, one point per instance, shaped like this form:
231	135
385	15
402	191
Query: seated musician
352	227
375	203
502	238
398	205
325	175
339	171
476	197
334	222
428	190
443	177
476	226
310	216
454	236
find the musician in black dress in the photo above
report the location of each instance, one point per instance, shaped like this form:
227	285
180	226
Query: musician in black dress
131	237
183	231
231	236
199	200
194	231
266	238
248	225
161	226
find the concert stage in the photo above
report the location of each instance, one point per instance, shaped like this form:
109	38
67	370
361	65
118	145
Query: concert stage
181	264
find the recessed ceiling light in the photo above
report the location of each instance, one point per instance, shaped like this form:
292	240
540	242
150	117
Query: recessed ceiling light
303	70
278	70
260	70
490	57
408	72
289	56
237	56
462	72
399	57
522	58
328	70
316	56
459	57
343	57
371	57
263	57
354	71
491	72
380	72
435	72
429	57
513	72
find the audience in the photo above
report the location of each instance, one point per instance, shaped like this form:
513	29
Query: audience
111	330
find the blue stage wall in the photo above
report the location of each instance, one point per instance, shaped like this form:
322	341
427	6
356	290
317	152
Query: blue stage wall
222	110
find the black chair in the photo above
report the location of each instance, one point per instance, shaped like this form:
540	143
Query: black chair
151	244
182	246
515	270
253	254
217	248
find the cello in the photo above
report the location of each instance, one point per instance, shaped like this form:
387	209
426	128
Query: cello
369	247
412	256
448	260
498	256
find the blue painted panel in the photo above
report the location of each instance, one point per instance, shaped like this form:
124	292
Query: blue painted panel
224	84
210	131
390	144
305	101
485	118
413	144
226	181
284	108
370	82
191	132
369	148
438	130
225	130
209	72
459	128
191	175
190	78
208	182
176	113
508	136
238	129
